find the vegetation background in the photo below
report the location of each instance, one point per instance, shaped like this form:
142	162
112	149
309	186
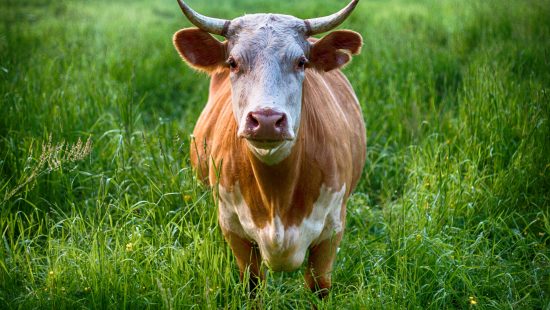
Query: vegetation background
99	207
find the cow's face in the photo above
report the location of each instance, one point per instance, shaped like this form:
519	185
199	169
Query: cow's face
266	56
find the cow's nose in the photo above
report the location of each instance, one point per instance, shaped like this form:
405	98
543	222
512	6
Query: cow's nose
266	125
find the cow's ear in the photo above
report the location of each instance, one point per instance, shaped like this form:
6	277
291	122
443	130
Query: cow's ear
335	49
199	49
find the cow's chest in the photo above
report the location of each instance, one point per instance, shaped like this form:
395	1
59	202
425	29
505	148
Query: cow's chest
283	247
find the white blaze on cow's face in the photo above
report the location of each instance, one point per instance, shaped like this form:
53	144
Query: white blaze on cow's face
267	58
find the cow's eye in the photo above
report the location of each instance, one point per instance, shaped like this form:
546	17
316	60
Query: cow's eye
302	61
232	63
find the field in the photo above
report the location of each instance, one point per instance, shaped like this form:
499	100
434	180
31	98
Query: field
100	209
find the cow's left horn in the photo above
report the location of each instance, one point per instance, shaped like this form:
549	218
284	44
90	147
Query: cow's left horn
326	23
208	24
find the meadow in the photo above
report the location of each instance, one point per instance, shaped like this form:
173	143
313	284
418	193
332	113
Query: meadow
99	207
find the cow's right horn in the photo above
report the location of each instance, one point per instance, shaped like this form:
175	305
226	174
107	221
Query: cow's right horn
326	23
208	24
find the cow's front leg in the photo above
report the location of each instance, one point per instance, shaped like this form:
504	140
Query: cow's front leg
319	268
248	257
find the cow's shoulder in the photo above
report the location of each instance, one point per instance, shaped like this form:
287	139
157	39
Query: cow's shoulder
215	127
333	128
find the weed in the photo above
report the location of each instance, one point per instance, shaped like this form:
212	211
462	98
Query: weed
452	210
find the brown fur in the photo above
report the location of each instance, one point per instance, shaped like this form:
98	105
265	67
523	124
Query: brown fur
330	147
199	49
335	49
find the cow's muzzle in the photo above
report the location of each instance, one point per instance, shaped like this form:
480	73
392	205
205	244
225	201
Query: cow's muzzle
266	127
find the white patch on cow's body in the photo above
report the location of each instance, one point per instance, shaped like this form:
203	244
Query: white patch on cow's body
283	248
272	156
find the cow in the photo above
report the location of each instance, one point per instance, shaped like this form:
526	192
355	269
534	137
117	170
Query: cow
281	139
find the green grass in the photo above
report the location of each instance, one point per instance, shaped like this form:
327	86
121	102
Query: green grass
452	210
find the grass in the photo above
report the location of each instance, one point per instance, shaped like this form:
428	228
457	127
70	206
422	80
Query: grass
452	210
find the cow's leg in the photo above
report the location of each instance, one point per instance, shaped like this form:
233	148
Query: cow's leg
321	258
248	257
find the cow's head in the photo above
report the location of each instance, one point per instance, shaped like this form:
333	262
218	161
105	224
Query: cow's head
267	55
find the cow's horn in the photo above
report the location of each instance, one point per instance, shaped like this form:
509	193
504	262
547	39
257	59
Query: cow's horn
208	24
326	23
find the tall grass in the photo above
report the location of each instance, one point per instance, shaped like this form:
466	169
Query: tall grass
452	210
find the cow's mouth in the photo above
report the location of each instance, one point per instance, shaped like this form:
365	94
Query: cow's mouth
266	143
270	151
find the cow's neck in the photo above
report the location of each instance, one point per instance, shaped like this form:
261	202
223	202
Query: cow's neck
277	183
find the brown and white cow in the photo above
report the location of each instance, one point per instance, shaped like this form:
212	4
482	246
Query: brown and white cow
282	136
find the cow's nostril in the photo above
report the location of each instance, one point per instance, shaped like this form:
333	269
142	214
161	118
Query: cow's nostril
281	121
252	121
